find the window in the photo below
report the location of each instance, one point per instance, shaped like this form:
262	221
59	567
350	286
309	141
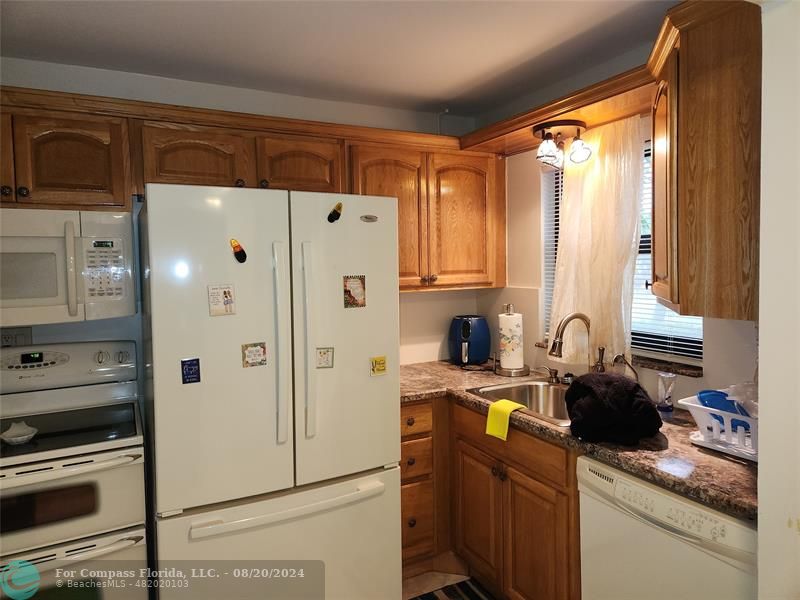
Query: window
656	329
552	188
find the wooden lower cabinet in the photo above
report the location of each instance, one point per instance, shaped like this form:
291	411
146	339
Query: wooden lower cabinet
536	525
516	529
478	494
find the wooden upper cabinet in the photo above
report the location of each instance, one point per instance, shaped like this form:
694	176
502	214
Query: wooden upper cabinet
478	512
665	190
198	156
388	171
7	191
462	219
298	163
74	160
707	159
536	554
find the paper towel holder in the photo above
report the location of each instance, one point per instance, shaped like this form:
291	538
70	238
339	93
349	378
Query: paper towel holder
521	372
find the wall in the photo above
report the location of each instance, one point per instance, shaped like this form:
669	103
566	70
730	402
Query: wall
135	86
571	82
779	299
425	321
730	346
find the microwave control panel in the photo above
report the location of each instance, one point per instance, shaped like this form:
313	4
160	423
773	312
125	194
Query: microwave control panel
104	271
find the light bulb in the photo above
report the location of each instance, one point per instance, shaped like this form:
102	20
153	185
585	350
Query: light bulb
579	151
547	149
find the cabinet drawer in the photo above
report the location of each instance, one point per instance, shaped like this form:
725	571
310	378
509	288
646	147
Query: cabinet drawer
417	514
416	458
414	419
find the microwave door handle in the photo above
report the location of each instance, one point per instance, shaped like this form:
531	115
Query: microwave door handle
283	343
116	546
72	271
16	481
311	388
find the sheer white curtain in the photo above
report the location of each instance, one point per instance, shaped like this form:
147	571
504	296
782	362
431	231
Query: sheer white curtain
598	242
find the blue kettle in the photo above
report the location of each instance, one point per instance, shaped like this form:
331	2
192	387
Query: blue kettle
469	341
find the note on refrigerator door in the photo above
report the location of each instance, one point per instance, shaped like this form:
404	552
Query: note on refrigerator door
355	291
221	300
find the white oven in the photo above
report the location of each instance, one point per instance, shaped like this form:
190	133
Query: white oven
58	266
81	472
89	559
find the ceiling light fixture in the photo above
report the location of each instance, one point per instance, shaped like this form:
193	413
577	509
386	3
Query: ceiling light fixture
551	150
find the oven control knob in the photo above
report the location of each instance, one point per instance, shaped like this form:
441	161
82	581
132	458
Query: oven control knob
123	356
101	357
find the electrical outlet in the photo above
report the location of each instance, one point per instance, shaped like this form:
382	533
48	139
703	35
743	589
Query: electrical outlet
15	336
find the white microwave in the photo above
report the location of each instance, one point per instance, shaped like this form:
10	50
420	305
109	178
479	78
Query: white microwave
58	266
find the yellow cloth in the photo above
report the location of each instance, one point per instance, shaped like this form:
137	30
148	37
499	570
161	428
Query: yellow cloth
497	420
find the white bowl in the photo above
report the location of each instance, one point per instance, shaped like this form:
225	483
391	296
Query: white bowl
19	433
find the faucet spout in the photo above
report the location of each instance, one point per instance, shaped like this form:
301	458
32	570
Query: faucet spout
558	338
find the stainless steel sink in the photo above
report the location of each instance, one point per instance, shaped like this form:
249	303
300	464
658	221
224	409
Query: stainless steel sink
545	400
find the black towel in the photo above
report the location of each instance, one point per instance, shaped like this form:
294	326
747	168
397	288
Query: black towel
607	407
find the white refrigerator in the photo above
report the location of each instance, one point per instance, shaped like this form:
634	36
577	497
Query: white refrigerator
272	340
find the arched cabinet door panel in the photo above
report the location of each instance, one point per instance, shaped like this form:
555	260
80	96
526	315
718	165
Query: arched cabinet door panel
300	163
75	160
461	219
198	156
400	173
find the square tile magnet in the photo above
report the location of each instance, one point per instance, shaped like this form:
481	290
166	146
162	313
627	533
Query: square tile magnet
377	366
355	291
190	370
254	355
324	358
221	300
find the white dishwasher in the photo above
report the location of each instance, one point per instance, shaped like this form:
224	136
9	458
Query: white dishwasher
641	542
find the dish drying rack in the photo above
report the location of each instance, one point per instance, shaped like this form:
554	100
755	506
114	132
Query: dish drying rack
736	434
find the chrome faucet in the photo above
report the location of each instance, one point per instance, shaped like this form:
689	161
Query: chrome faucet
558	339
552	374
621	358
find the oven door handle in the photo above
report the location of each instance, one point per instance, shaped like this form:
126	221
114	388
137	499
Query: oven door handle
59	563
15	481
72	271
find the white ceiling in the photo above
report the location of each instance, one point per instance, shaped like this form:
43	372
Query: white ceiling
466	55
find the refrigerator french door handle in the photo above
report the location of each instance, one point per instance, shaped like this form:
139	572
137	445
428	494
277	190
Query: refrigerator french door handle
283	343
72	272
219	526
311	389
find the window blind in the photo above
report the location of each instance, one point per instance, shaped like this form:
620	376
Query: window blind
656	328
552	188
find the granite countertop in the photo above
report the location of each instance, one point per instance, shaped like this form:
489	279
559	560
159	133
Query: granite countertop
669	460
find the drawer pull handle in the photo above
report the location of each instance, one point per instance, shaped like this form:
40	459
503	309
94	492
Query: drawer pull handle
410	421
411	461
412	522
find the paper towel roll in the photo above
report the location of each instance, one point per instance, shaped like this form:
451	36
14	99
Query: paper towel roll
511	350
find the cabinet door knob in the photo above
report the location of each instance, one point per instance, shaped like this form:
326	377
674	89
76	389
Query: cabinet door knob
411	461
412	522
433	278
495	471
239	183
264	183
410	421
648	284
6	190
425	280
23	191
503	475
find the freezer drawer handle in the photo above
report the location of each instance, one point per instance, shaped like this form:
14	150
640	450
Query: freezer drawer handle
15	481
72	559
220	526
283	343
311	391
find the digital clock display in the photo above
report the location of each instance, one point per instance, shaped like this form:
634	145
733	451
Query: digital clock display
103	244
31	358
